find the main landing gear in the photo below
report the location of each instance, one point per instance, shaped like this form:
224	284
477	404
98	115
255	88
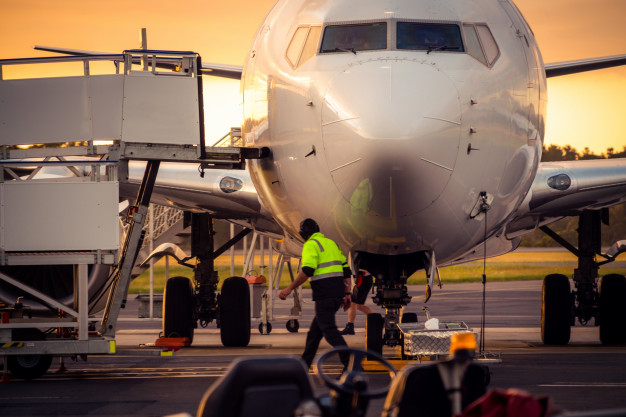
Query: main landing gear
185	305
600	299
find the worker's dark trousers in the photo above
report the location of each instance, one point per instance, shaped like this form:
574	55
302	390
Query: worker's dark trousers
323	324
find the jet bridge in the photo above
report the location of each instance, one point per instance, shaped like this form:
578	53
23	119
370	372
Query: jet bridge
144	113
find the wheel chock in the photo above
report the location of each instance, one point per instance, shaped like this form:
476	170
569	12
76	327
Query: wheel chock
172	343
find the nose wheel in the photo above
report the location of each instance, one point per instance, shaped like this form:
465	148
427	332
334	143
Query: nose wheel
374	333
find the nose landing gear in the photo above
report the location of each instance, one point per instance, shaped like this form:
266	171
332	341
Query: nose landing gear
379	331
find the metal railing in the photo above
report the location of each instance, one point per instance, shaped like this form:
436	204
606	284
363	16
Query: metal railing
85	59
182	63
160	220
230	140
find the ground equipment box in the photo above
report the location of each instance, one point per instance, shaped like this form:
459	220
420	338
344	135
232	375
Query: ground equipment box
419	341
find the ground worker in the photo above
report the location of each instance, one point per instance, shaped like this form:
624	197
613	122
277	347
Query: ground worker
326	266
362	286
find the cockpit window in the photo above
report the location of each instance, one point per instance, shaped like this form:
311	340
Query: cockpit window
473	44
429	37
481	43
312	41
295	46
489	43
353	38
303	45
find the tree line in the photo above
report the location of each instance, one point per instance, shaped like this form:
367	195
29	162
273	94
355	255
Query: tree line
568	153
567	227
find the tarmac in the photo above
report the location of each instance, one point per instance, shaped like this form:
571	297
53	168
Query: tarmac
581	376
512	320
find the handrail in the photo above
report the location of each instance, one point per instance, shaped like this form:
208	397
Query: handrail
172	60
48	59
159	52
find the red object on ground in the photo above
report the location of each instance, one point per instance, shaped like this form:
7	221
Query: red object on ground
255	279
172	343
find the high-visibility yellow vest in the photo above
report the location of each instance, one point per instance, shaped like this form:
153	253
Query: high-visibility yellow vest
323	255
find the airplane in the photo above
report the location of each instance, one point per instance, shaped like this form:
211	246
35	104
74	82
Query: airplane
412	132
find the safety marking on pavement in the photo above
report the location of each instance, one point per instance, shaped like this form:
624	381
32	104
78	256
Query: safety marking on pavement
150	373
28	398
491	290
138	373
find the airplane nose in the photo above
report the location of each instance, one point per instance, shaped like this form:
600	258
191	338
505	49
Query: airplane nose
391	131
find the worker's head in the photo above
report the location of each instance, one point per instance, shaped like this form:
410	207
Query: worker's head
308	227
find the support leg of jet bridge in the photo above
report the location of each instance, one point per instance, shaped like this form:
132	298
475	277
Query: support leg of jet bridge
137	216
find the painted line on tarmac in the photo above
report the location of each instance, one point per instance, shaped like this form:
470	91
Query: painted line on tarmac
29	398
592	385
489	290
152	373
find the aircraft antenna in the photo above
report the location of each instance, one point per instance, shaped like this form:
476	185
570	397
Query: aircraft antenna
484	207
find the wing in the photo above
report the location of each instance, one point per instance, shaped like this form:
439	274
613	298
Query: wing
223	71
226	194
68	51
567	188
582	65
215	70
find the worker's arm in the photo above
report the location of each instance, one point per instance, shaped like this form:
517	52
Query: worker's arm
300	279
347	282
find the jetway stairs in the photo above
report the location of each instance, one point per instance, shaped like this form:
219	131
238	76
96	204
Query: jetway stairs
164	225
143	113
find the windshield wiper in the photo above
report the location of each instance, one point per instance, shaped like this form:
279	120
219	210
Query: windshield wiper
340	50
441	48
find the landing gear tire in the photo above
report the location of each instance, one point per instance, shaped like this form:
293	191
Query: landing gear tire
613	310
292	326
178	308
265	328
556	310
235	312
374	333
29	366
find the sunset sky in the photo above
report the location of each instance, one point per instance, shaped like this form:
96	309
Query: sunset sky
584	110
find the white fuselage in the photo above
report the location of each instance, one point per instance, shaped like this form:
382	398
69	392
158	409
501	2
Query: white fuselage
404	140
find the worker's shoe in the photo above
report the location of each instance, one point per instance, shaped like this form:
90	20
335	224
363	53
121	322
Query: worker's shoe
349	329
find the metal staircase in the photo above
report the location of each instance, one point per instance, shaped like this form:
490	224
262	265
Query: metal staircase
144	114
163	225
